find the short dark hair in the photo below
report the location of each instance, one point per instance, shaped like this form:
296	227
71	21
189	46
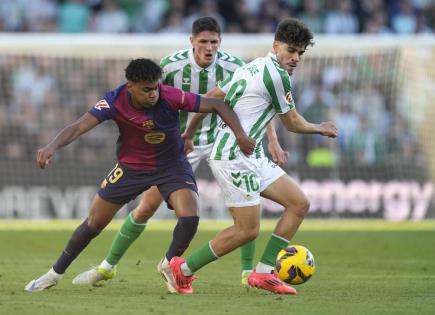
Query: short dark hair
142	69
293	32
206	23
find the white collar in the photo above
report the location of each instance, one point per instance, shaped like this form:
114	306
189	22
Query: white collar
198	68
271	55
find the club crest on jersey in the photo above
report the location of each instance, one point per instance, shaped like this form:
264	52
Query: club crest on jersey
289	98
148	124
155	137
101	104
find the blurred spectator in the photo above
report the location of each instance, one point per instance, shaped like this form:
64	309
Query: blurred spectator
74	16
312	16
341	20
404	21
365	147
40	15
111	19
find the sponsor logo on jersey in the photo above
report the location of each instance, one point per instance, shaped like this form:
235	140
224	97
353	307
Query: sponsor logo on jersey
148	124
101	104
289	98
155	137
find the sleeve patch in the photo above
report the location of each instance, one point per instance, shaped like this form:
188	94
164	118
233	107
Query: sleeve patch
101	104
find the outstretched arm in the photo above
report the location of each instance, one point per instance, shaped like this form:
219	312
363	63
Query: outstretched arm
64	137
215	105
294	122
279	156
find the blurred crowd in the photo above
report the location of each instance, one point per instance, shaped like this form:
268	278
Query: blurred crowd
241	16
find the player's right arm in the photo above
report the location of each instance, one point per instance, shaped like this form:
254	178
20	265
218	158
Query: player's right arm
64	137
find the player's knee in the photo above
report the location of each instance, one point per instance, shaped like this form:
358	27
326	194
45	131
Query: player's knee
143	213
301	206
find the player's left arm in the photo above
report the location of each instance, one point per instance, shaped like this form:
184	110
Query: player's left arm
279	156
294	122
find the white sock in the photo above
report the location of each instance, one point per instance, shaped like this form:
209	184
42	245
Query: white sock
54	274
106	266
246	271
263	268
186	270
165	262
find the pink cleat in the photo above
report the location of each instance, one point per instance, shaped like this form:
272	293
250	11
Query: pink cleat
183	284
270	282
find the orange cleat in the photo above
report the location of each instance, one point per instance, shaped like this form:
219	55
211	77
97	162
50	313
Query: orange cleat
270	282
183	284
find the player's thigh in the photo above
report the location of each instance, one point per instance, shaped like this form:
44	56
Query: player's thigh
151	200
286	192
246	218
185	202
101	213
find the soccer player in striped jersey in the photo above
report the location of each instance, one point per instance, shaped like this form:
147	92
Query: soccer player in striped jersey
150	152
257	92
197	70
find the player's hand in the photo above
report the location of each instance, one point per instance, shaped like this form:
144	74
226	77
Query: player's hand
188	144
279	156
246	144
328	129
44	156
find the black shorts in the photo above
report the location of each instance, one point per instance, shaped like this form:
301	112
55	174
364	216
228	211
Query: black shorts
122	184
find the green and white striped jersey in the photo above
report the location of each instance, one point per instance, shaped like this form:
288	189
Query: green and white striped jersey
180	70
256	92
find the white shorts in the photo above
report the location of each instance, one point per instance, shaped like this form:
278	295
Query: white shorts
242	180
199	153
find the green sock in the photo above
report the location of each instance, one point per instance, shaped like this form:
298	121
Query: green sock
275	244
129	232
247	252
201	257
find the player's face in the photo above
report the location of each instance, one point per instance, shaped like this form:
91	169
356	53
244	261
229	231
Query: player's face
288	56
205	46
144	94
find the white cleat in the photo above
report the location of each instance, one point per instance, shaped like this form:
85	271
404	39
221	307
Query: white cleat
94	276
46	281
166	273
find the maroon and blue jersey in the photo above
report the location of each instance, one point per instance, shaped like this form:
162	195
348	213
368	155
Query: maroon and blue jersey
149	139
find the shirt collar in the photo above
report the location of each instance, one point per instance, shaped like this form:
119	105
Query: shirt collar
198	68
271	55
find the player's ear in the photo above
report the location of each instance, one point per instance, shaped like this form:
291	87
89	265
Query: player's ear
275	46
191	40
129	85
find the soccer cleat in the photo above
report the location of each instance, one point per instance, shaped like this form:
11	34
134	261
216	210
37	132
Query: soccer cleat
245	276
270	282
183	284
94	276
166	273
46	281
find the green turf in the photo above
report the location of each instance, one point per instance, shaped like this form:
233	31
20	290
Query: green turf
360	270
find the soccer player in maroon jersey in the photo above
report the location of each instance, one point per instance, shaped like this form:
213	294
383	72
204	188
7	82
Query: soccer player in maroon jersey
150	152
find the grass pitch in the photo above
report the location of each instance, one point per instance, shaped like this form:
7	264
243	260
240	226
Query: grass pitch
363	267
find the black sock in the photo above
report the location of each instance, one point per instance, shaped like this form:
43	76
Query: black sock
78	241
183	233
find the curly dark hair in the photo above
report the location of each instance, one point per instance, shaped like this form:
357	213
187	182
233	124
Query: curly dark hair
142	69
206	23
293	32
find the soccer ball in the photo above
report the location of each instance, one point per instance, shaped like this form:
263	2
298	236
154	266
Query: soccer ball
295	264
